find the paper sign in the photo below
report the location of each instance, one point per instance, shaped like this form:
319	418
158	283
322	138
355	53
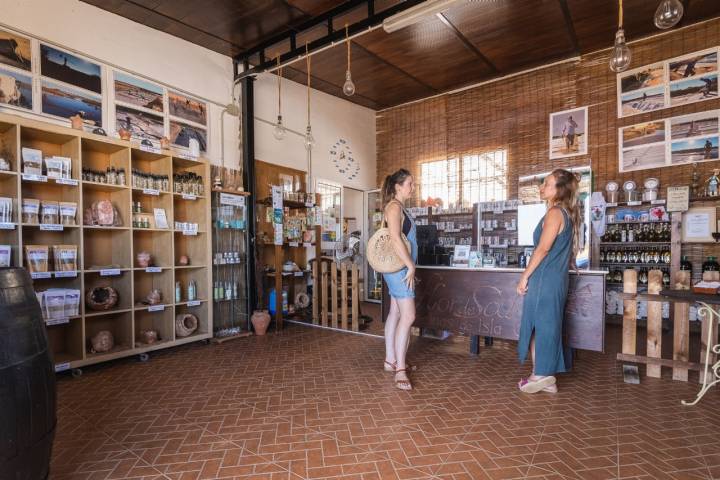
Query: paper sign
37	275
160	218
187	196
309	204
634	204
51	227
230	199
190	232
151	191
299	274
7	226
678	199
294	244
61	367
151	149
70	274
67	181
34	178
277	197
57	321
110	272
156	308
194	303
153	270
307	244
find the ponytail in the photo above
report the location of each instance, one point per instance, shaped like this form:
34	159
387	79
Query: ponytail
388	186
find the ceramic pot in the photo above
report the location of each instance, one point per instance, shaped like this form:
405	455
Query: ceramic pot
184	260
124	134
164	143
76	122
154	297
144	259
149	336
260	320
103	341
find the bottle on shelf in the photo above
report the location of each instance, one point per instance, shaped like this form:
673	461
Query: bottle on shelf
178	292
685	264
710	265
192	291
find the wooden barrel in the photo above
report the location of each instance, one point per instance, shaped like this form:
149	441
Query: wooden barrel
27	381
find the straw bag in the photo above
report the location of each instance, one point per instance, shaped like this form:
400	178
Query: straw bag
381	253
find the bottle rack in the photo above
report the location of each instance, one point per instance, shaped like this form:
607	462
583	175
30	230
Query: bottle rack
107	254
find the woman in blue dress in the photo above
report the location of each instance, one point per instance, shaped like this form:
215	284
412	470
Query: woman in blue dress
544	283
396	189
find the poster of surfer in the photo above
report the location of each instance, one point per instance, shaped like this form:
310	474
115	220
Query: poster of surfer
698	63
694	90
569	133
15	50
695	125
698	150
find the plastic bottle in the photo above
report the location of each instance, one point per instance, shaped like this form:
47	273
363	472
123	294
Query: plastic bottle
192	291
178	292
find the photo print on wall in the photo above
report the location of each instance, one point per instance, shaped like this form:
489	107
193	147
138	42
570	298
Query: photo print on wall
15	50
15	89
180	135
70	69
187	108
136	92
569	133
65	102
142	125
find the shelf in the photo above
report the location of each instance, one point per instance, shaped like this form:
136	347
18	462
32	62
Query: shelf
234	192
151	229
637	203
634	243
122	269
188	267
179	304
182	196
145	308
100	227
287	274
649	222
94	313
38	225
299	244
629	264
8	173
286	203
222	300
146	192
142	269
705	199
103	187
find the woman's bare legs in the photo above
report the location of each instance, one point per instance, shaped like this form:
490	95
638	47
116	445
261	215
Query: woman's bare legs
533	377
391	323
402	335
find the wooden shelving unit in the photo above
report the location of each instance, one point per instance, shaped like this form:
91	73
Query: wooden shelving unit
107	255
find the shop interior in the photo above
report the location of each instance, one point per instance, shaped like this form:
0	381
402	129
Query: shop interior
189	189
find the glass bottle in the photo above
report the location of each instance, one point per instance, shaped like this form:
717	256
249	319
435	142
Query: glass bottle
666	255
710	265
685	264
666	278
643	277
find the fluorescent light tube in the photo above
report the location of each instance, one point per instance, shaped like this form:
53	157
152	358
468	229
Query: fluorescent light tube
415	14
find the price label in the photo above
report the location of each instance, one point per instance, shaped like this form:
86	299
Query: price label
194	303
233	200
299	274
634	204
187	156
57	321
498	211
190	232
309	204
69	274
67	181
153	270
187	196
61	367
156	308
7	226
34	178
294	244
51	227
307	244
37	275
611	204
110	272
657	202
151	191
146	148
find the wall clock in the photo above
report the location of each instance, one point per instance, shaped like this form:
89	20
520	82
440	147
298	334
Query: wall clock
342	157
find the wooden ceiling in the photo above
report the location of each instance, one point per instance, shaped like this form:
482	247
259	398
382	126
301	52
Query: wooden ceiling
469	43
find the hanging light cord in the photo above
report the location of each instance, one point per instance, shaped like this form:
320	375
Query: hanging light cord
307	59
620	15
279	84
347	40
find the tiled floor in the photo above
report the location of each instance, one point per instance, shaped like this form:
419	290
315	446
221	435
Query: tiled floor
309	403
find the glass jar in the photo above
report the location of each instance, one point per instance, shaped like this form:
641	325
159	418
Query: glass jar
685	264
710	265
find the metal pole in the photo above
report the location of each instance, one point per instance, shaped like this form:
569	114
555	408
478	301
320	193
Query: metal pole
248	134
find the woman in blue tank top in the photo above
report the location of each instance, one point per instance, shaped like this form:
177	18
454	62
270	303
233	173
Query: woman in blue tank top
544	283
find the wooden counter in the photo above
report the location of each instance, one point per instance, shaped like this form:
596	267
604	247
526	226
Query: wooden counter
483	302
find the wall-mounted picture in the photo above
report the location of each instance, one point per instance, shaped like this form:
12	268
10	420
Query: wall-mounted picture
643	134
140	93
698	150
187	108
15	89
180	134
695	125
693	64
650	76
141	125
65	102
642	101
568	133
640	158
15	50
69	68
694	90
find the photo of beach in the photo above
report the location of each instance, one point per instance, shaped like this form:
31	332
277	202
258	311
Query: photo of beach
642	101
694	125
568	133
65	102
700	150
643	134
187	108
69	68
140	93
15	50
694	90
651	76
15	89
180	134
141	125
643	157
694	64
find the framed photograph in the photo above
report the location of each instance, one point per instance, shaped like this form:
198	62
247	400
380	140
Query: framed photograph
15	50
641	101
187	108
569	133
643	77
698	225
180	134
139	93
142	125
697	63
643	134
692	151
15	89
65	102
695	125
693	90
70	69
641	158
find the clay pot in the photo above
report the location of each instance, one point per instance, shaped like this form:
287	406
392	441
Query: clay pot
184	260
124	134
164	143
154	297
260	320
103	341
144	259
185	324
76	122
149	336
101	298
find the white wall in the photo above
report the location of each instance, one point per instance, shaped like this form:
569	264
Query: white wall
331	118
122	43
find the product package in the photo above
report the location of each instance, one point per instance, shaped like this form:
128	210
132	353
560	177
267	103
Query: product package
65	257
32	161
54	167
37	258
72	302
6	210
54	300
68	210
5	255
50	212
30	210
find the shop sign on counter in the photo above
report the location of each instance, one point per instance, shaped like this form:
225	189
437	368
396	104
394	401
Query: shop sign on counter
678	199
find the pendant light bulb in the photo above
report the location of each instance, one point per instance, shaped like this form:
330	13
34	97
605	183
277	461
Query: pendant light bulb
621	56
668	14
348	86
309	139
279	130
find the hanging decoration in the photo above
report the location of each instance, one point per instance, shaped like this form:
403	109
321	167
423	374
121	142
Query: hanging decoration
668	14
279	129
348	86
620	59
309	140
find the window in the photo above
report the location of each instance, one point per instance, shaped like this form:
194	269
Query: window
439	179
484	177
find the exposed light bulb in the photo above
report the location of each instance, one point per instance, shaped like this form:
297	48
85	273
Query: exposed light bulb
348	86
621	56
309	139
668	14
279	130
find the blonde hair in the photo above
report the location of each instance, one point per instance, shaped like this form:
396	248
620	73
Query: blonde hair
566	196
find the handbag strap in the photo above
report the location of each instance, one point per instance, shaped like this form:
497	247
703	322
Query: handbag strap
402	212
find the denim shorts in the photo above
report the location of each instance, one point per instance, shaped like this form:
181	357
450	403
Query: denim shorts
396	284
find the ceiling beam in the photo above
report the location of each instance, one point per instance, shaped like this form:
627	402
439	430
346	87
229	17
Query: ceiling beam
467	43
394	67
570	26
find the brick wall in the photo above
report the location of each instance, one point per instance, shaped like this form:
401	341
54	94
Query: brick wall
514	114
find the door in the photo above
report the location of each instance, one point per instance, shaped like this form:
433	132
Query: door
373	220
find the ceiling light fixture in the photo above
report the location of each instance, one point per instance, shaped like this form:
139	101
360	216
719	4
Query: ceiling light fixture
348	86
309	140
668	14
415	14
621	56
279	129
